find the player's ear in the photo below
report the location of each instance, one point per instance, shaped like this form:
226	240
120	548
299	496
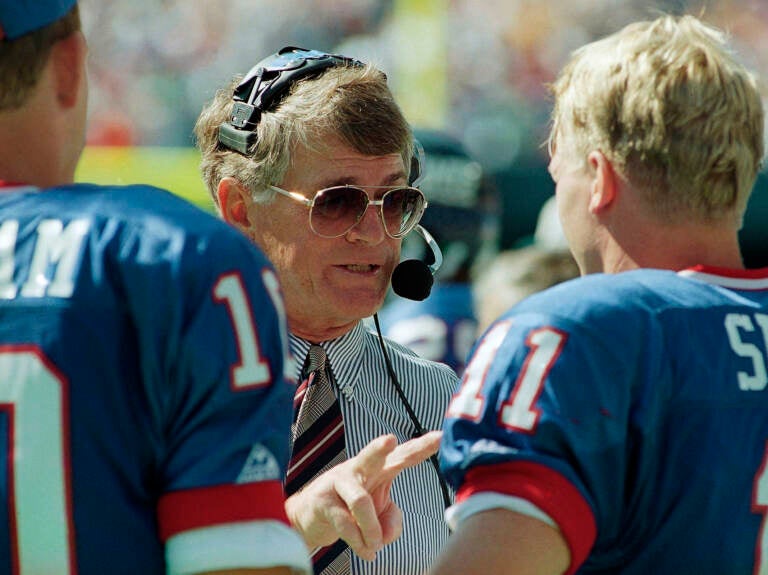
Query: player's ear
604	183
234	200
68	58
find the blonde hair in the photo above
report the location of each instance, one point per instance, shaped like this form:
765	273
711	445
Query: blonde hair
351	104
674	112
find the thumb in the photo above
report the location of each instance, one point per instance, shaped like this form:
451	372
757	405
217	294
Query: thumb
391	523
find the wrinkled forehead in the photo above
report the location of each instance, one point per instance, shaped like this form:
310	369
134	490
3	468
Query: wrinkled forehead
333	163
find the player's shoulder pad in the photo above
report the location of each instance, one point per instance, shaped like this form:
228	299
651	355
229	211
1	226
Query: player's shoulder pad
163	215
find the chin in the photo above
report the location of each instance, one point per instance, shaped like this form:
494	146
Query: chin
359	305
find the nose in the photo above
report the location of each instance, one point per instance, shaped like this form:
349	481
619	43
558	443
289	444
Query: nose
370	228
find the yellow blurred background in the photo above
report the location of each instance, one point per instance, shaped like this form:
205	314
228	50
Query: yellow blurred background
175	169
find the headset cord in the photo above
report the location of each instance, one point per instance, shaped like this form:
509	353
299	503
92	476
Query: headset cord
419	428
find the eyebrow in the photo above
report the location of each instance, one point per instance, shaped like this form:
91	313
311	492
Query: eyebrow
393	179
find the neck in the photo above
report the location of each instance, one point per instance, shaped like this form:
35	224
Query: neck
21	160
41	141
318	332
672	247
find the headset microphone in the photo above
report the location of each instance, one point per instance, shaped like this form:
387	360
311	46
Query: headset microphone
413	279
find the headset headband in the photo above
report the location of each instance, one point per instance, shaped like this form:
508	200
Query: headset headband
266	84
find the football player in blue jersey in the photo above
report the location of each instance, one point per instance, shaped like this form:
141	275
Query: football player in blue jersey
618	422
463	218
144	402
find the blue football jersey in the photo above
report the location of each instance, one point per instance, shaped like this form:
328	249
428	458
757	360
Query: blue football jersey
631	410
143	390
441	328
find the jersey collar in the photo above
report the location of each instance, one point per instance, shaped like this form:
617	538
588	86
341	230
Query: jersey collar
754	279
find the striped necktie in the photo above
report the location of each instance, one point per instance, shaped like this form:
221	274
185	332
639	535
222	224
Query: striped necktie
318	445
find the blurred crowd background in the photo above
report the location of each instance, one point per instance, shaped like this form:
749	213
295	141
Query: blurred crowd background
474	68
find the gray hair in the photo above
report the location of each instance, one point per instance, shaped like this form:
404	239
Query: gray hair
352	104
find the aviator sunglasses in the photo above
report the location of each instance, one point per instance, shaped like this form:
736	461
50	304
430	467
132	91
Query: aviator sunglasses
336	210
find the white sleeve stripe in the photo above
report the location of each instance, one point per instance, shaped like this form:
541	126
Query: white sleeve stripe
237	545
485	501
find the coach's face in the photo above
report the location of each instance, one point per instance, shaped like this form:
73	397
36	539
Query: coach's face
329	283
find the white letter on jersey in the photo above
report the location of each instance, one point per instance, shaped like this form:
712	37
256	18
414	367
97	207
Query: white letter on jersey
273	287
467	402
8	232
253	370
33	395
55	245
518	412
734	322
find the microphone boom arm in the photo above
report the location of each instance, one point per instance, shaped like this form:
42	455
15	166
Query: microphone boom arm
438	253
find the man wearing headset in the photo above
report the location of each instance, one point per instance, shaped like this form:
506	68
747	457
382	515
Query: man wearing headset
310	156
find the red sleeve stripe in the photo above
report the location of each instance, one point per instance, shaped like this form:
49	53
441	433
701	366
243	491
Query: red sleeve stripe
549	491
193	508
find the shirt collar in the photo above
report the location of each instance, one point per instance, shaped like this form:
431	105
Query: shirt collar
345	354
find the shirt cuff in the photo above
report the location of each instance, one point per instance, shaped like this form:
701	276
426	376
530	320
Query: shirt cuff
478	502
238	545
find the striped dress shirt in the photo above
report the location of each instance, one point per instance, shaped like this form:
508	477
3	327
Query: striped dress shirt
371	407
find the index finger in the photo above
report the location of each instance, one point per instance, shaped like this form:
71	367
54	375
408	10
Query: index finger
413	452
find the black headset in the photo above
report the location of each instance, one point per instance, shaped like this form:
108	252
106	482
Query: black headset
266	84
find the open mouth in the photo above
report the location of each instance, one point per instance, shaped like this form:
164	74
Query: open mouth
361	268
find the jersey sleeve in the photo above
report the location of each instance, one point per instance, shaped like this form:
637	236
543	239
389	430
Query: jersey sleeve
216	378
540	424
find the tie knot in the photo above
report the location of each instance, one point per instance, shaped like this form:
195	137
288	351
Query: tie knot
316	356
